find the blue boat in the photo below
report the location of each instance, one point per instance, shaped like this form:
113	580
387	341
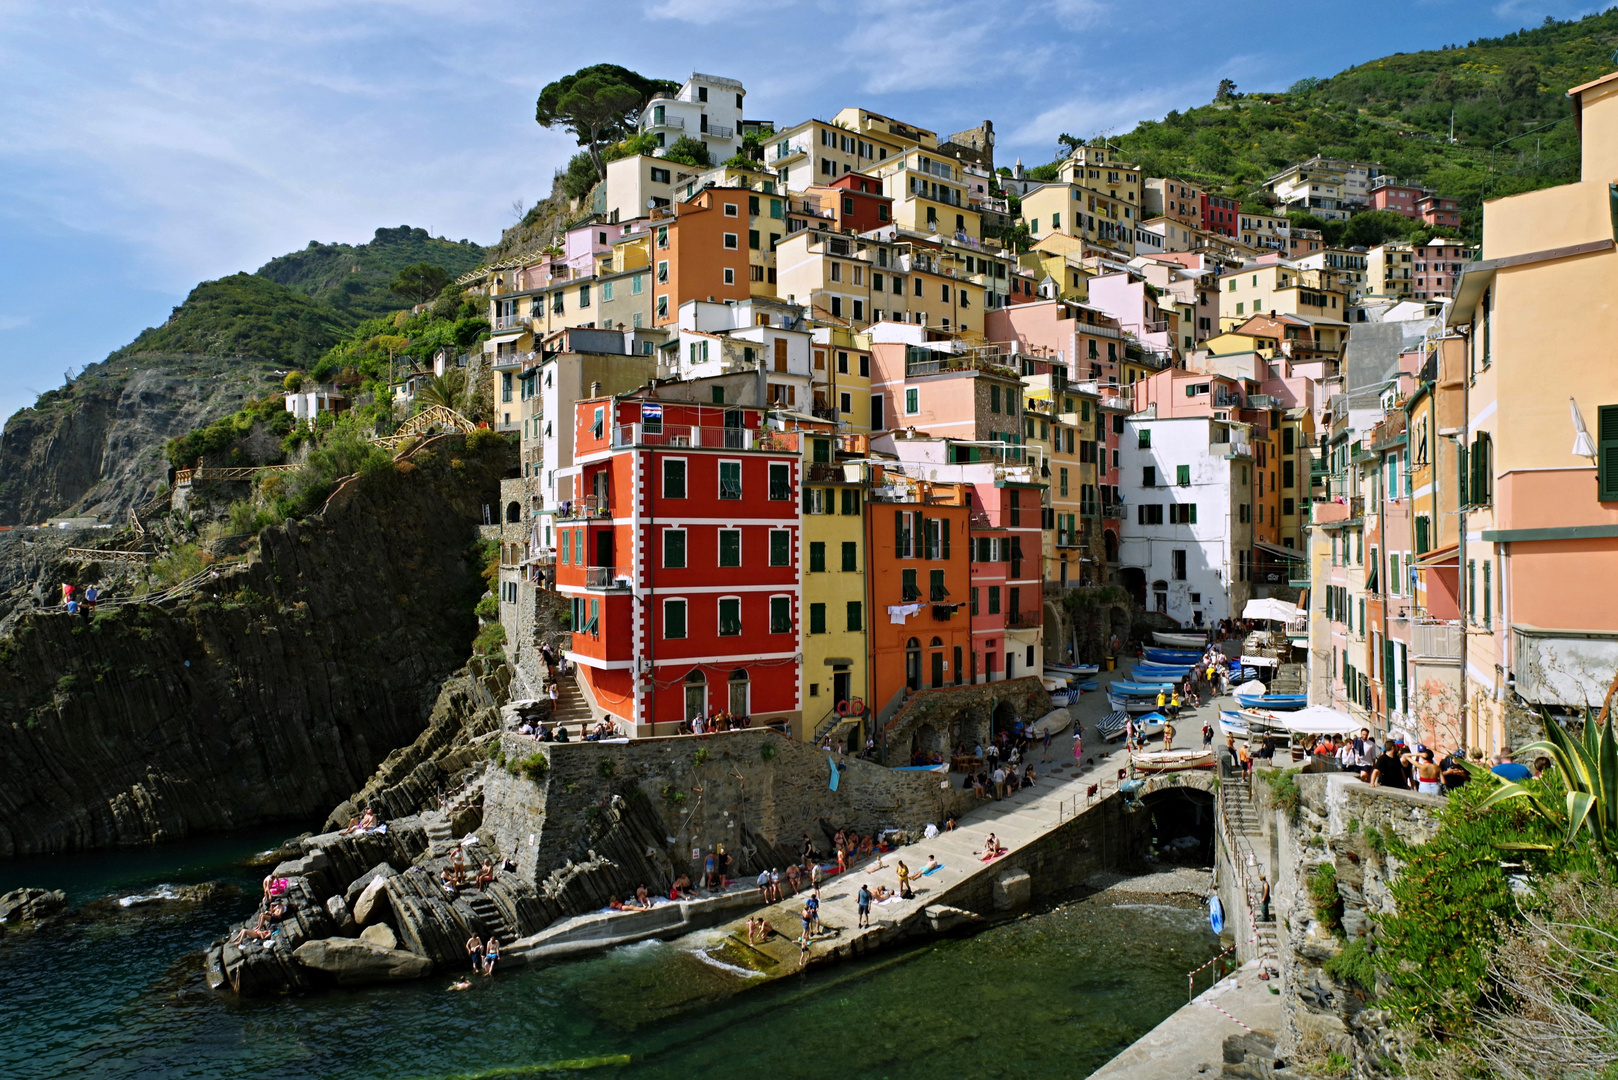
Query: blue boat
1165	671
1273	702
1089	684
1172	656
1139	689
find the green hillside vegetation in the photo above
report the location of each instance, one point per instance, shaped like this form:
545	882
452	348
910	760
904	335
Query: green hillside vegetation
355	279
1512	122
245	315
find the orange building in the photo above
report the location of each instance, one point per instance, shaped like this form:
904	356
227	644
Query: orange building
918	562
700	252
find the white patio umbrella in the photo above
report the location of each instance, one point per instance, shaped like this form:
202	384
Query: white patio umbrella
1583	446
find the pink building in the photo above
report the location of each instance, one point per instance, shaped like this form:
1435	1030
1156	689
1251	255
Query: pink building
1085	339
1438	263
1388	194
1124	297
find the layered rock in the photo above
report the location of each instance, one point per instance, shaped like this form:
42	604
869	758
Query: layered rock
271	702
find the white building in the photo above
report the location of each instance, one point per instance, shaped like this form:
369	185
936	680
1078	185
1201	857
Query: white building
1187	534
707	108
763	336
311	400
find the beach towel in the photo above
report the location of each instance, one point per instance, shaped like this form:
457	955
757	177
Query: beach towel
993	855
932	870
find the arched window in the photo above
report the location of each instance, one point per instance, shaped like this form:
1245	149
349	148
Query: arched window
739	685
514	512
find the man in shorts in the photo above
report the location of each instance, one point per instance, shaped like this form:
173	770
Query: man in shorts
862	900
764	886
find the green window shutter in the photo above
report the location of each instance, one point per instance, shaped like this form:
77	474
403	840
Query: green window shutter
856	616
730	617
780	547
943	528
1471	590
730	547
974	600
994	599
674	549
1182	475
908	584
674	619
936	582
1460	452
1607	452
1193	513
780	614
850	556
1488	596
817	557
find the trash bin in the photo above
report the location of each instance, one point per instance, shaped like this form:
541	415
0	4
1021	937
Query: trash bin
1109	662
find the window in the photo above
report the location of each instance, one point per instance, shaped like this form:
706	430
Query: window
730	616
817	618
673	549
1177	560
994	599
584	295
730	241
606	292
1149	514
912	400
856	616
730	275
780	481
974	595
673	478
730	209
673	620
1143	439
730	547
1488	596
1064	482
994	399
1148	476
1182	513
909	589
660	176
780	614
730	479
1182	475
780	547
935	581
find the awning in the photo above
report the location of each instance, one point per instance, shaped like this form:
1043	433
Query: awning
1277	549
1272	609
1442	557
1313	720
1259	661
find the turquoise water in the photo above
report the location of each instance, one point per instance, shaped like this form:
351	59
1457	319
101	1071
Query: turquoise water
1054	994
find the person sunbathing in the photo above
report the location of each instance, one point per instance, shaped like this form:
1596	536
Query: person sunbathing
643	900
682	889
485	875
932	864
865	846
882	892
615	904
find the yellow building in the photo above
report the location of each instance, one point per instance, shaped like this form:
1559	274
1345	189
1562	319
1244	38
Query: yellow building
835	619
1387	269
855	140
1063	420
842	369
1282	288
930	195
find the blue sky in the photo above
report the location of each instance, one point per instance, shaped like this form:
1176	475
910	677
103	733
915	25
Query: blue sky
147	146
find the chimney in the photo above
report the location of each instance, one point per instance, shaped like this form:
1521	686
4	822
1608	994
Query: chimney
595	389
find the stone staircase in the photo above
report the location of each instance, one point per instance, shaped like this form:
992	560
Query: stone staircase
494	920
1240	813
571	707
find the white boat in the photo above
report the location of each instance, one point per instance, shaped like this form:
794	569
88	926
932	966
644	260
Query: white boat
1180	641
1232	723
1070	670
1171	760
1132	704
1054	723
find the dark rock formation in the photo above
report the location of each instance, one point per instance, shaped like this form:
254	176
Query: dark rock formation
30	905
354	963
272	701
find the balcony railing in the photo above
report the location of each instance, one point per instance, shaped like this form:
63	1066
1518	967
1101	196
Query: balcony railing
588	507
723	438
1444	640
607	577
512	322
1112	511
677	123
1024	620
719	131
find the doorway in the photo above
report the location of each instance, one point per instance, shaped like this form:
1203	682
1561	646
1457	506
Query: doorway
734	437
696	695
841	687
604	547
738	692
913	664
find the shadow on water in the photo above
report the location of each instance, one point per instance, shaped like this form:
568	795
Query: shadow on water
1055	994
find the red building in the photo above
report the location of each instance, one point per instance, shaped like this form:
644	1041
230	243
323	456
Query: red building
681	560
1008	615
1219	215
1439	211
1387	194
858	203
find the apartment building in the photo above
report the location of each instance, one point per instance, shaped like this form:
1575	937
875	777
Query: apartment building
1221	215
1389	270
1436	267
929	195
835	674
1173	199
1284	288
707	108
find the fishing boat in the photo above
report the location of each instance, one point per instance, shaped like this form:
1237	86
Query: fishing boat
1052	723
1111	726
1132	704
1273	702
1158	673
1057	688
1072	669
1232	722
1171	656
1126	688
1171	760
1180	641
1087	685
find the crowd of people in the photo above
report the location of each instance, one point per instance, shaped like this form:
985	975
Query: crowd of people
81	602
1394	763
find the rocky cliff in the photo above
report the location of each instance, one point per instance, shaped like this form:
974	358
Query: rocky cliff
95	448
272	699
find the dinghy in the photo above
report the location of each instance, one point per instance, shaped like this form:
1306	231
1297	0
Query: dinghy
1171	760
1180	641
1172	657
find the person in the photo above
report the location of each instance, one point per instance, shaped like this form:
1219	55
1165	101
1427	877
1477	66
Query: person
842	859
975	780
1207	735
1162	699
1174	705
461	984
883	894
764	886
1245	758
555	694
615	904
491	956
1028	777
932	864
67	595
949	823
862	902
905	892
807	915
1078	743
813	904
815	876
1541	766
1507	769
1129	733
1046	755
561	733
682	889
486	876
1453	770
643	898
1388	770
1168	736
999	782
1427	773
794	875
709	874
1263	898
474	951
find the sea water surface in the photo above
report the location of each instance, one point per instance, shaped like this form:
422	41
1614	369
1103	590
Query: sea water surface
1054	994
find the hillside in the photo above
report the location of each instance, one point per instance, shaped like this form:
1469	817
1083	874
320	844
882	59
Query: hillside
244	315
1397	110
354	279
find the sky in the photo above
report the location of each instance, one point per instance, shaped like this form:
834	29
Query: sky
147	146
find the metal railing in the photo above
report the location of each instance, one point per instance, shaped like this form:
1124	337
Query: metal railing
512	322
607	577
587	507
1438	639
1024	620
675	122
724	438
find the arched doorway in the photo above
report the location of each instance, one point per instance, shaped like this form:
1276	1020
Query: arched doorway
1160	596
513	513
1004	719
739	686
1133	579
1109	541
696	694
913	664
938	662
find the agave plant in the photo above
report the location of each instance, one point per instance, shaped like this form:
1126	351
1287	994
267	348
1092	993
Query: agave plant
1588	768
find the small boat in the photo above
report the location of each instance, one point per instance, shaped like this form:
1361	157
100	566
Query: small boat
1180	641
1273	702
1173	657
1132	704
1166	670
1052	723
922	768
1087	685
1061	698
1171	760
1232	723
1153	674
1111	726
1072	669
1125	688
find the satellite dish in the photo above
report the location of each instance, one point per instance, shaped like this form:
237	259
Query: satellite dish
651	204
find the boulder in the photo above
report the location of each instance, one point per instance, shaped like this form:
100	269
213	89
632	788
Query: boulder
26	905
380	935
373	901
354	963
338	907
357	886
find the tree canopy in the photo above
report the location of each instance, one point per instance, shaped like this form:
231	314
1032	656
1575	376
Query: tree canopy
688	151
420	282
599	104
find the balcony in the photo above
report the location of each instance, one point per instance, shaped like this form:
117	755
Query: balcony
591	506
721	438
823	472
1024	620
1112	511
607	577
512	322
718	131
673	123
1437	640
1065	539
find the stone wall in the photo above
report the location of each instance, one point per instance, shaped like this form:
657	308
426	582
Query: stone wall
756	792
1321	1014
940	719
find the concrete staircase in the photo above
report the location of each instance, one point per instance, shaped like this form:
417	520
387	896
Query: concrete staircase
572	710
1240	813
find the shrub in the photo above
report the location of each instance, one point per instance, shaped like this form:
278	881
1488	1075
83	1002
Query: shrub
1353	967
490	640
1284	793
1323	894
701	756
184	561
767	752
488	608
605	768
485	439
534	766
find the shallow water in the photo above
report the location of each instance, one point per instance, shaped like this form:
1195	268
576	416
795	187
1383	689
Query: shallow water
1054	994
